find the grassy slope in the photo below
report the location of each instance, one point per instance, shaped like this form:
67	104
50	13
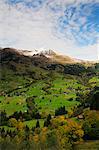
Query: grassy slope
59	89
58	93
27	80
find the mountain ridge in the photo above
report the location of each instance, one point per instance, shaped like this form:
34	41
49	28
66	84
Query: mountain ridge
51	55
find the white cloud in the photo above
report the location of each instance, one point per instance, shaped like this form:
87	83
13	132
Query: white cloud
23	28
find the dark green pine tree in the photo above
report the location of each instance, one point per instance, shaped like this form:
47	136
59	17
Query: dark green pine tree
37	124
47	121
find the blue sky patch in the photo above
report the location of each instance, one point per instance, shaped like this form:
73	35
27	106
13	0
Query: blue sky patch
83	26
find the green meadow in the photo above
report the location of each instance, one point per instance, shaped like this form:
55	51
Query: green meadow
49	95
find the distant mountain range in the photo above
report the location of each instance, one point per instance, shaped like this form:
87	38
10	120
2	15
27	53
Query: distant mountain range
48	55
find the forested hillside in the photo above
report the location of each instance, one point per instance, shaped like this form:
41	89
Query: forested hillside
46	104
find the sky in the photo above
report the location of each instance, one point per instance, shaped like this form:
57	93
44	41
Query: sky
70	27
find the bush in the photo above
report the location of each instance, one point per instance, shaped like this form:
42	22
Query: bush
12	122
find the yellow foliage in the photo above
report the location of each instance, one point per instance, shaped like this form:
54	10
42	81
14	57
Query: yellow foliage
20	125
43	134
36	138
67	130
44	129
61	118
43	138
79	132
55	122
